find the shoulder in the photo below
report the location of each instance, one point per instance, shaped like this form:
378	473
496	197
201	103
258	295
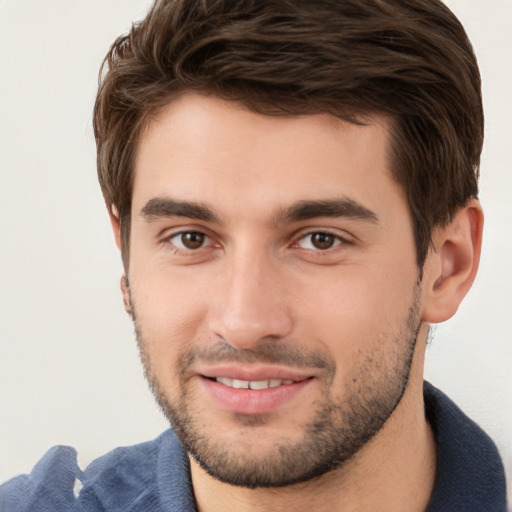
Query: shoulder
125	479
49	487
470	474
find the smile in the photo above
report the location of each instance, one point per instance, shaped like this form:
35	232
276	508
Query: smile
252	384
256	395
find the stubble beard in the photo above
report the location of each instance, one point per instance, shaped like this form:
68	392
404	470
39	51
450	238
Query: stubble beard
338	430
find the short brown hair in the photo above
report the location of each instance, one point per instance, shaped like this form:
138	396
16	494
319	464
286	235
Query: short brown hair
408	59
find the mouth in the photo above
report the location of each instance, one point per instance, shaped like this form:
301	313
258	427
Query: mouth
252	384
252	391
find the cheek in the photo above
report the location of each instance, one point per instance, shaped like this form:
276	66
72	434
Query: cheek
169	312
355	310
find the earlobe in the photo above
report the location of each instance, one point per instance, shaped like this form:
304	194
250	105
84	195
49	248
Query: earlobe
125	290
116	227
452	263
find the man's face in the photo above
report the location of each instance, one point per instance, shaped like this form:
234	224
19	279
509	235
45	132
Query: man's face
274	286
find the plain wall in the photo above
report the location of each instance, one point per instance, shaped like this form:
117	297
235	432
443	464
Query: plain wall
69	369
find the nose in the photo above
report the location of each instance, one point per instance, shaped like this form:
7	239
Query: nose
250	306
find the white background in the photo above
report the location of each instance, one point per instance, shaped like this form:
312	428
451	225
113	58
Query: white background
69	369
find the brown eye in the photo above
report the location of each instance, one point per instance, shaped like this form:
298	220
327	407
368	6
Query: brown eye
322	240
319	241
190	240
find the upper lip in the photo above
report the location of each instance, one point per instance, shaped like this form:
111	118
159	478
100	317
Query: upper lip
254	372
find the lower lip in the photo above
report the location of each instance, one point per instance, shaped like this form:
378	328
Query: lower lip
250	401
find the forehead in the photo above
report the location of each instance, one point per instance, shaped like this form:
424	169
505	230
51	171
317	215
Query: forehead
205	149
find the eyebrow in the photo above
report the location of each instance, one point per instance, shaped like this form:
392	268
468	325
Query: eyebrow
343	207
162	207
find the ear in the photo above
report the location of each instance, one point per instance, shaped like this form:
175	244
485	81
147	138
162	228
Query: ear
125	285
125	290
116	227
452	263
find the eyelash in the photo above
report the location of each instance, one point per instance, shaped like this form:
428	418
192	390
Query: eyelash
187	250
337	240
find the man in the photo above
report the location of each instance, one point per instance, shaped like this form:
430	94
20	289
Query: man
293	187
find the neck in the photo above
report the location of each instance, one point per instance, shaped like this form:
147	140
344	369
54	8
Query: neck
395	471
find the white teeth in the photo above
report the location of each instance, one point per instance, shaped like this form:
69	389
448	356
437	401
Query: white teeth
258	384
240	384
225	381
253	384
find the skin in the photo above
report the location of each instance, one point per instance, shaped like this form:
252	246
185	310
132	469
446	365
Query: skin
257	277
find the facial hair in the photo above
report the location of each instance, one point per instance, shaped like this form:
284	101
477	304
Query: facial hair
339	428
